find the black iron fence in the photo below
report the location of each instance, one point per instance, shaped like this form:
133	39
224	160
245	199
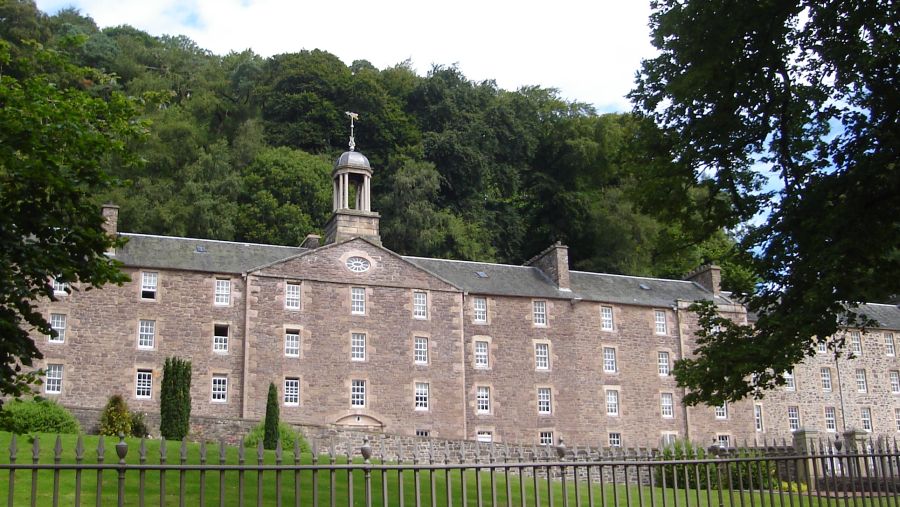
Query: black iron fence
860	472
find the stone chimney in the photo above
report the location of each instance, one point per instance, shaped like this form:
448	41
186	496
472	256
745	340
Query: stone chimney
311	241
110	213
554	262
708	276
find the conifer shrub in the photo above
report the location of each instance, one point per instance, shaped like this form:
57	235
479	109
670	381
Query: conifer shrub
115	417
37	416
175	399
286	434
270	438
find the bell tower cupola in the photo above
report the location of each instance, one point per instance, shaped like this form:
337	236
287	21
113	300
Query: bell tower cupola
352	214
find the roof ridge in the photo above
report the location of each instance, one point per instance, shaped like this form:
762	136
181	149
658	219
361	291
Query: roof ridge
469	262
135	234
633	276
881	304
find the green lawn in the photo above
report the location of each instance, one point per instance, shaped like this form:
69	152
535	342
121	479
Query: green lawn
332	487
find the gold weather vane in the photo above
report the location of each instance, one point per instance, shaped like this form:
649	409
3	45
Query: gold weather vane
353	116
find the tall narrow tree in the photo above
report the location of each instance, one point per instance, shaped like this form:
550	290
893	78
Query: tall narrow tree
270	440
175	399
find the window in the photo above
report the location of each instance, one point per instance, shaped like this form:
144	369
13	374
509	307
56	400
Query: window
483	400
866	417
723	440
615	439
421	395
660	320
612	402
420	305
148	285
855	343
667	405
358	346
662	361
542	356
59	288
220	338
543	400
481	354
484	436
793	418
357	300
219	388
292	343
422	433
480	306
420	350
606	318
667	439
722	411
609	359
358	264
292	296
897	418
357	393
889	344
861	384
146	334
789	384
545	438
292	391
53	381
823	347
758	417
539	313
58	324
830	419
223	292
143	386
826	379
895	381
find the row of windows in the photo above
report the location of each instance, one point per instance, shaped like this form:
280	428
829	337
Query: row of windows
856	343
793	418
860	377
150	288
614	438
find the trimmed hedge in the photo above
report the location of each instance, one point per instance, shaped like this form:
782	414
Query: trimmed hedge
37	416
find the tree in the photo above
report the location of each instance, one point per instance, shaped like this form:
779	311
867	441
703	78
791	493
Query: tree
271	435
175	399
56	138
115	417
809	91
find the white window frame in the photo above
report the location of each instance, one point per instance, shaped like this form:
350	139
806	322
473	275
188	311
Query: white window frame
539	313
889	349
479	310
146	339
865	417
420	349
724	440
220	342
219	389
894	376
59	288
660	323
421	394
667	405
612	402
423	433
483	400
223	292
545	438
149	285
357	346
758	423
825	374
856	342
897	418
606	318
143	384
721	411
53	379
862	384
58	323
482	354
541	356
291	296
822	347
663	366
357	300
544	400
610	364
830	419
789	381
614	439
420	305
484	436
793	416
357	393
291	343
292	391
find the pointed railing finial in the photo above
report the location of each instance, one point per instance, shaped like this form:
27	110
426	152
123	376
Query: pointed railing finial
353	116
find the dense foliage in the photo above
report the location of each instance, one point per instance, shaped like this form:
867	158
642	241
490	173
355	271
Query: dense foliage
37	416
175	399
287	435
273	418
808	91
115	417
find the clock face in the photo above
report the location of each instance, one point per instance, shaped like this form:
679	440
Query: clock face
357	264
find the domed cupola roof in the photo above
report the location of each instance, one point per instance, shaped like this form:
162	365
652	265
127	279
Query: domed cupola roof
353	159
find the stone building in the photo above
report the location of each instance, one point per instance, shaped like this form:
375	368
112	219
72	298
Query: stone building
355	335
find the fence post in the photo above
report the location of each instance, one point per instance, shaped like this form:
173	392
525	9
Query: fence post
804	446
121	451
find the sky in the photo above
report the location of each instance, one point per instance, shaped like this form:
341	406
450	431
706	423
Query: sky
589	50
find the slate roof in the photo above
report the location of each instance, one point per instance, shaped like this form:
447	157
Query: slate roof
199	254
888	316
637	290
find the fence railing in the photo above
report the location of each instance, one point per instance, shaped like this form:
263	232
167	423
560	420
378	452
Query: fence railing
176	473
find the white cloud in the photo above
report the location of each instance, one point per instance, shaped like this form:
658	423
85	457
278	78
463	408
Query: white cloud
589	50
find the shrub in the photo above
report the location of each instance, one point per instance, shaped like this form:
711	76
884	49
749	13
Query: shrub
683	475
115	418
37	416
175	399
270	440
139	425
286	434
